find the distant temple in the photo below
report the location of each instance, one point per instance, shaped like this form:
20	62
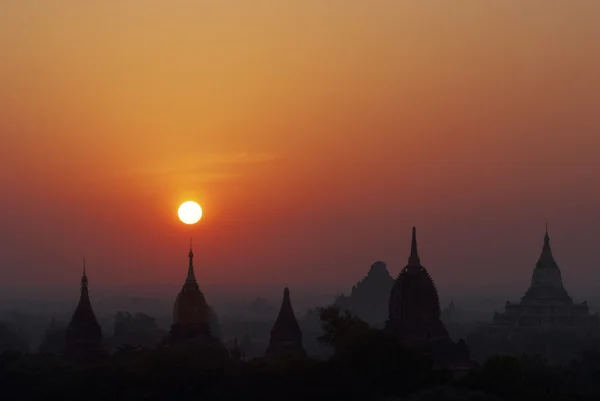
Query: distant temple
286	336
248	348
370	296
414	314
449	313
191	314
235	352
546	315
53	341
83	336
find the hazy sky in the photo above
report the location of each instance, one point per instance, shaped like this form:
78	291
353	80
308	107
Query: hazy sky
313	133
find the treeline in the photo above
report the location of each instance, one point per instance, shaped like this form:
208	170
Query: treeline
367	365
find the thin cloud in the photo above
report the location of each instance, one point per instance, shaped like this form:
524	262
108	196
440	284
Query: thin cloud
240	158
209	168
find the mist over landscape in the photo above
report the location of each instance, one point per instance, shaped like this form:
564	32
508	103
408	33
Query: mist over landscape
276	200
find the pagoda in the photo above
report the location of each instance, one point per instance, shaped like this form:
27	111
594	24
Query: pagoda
248	348
83	335
53	341
414	314
191	314
370	296
286	336
546	306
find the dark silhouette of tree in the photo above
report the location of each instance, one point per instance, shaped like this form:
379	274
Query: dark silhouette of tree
340	329
451	393
368	359
522	378
585	373
367	364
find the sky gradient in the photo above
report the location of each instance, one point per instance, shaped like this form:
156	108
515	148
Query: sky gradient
313	133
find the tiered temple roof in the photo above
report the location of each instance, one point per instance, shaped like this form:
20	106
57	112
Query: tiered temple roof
546	304
414	306
286	336
414	314
83	336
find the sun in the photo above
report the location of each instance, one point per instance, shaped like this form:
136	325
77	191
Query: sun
189	212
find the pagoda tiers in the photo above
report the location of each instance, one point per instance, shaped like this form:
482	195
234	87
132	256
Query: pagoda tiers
414	314
370	296
83	335
286	336
546	306
191	314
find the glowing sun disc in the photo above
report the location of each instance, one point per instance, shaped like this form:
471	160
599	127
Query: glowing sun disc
189	212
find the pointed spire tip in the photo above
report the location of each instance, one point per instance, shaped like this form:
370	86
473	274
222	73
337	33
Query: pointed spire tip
414	253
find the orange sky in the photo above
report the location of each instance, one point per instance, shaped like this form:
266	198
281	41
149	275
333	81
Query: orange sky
314	135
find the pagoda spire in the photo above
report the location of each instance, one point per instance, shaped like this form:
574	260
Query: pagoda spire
191	277
414	259
546	257
83	334
84	279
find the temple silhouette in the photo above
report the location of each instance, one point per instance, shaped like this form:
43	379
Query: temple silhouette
191	313
414	314
286	336
370	297
546	320
83	336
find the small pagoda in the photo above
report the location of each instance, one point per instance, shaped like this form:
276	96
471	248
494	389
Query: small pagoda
286	336
83	335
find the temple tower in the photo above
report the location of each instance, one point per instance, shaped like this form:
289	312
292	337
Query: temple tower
286	336
191	317
546	309
83	336
546	280
414	315
414	306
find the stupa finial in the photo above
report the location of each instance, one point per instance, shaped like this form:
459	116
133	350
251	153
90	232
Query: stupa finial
414	259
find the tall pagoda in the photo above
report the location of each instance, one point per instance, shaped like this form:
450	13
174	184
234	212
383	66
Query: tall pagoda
83	335
414	314
191	314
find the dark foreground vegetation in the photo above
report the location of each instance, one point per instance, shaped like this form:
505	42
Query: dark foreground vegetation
367	365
